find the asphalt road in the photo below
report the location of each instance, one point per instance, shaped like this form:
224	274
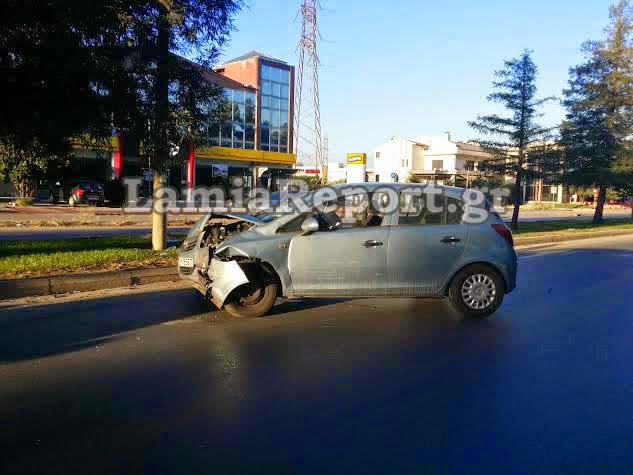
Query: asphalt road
150	380
80	232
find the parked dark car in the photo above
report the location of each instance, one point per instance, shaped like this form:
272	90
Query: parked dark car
48	191
87	191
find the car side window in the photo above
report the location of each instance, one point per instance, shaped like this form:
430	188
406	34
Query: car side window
293	225
356	211
414	211
454	210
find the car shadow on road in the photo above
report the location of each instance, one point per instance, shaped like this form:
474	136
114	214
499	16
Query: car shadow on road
286	306
33	332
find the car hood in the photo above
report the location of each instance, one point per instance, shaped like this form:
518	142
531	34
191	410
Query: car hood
241	216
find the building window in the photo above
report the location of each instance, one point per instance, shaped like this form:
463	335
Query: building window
377	154
470	165
237	122
438	165
275	105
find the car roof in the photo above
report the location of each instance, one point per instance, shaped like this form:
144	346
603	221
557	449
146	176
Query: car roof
373	186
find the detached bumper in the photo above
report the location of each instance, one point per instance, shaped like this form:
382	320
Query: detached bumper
220	280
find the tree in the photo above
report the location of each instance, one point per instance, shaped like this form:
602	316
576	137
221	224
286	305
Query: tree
52	65
174	101
84	69
624	179
512	137
599	100
22	166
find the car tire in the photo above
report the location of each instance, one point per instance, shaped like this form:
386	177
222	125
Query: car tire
477	291
251	301
72	202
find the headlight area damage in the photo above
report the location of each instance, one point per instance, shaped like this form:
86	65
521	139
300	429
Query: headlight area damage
242	285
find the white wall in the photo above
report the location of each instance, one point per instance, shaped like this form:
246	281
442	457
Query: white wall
440	147
336	171
396	156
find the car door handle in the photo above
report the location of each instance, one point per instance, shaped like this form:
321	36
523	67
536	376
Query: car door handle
372	243
450	239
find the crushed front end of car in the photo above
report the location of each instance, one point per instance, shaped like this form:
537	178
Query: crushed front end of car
213	275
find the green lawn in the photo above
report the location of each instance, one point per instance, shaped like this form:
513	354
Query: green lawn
539	228
57	256
546	206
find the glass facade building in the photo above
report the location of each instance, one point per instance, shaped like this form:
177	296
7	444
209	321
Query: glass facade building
237	129
275	108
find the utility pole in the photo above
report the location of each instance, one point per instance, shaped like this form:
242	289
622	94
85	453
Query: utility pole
308	142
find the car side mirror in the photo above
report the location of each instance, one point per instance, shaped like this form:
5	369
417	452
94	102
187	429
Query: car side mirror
309	226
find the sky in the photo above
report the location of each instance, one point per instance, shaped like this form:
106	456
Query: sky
407	68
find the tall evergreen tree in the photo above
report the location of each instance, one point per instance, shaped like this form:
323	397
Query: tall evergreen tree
596	135
511	137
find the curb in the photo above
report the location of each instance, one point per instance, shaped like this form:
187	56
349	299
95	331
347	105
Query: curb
527	241
62	284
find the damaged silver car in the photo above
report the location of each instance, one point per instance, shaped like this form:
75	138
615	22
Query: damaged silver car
350	247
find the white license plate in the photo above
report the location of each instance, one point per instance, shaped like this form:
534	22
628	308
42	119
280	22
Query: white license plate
185	262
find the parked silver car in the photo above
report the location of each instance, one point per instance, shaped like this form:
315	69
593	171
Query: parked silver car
352	244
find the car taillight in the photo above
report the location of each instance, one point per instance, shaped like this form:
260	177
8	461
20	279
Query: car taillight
504	232
79	192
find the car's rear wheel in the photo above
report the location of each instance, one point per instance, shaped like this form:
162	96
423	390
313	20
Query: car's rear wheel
252	300
477	291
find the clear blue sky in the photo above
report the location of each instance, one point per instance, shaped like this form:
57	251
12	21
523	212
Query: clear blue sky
411	68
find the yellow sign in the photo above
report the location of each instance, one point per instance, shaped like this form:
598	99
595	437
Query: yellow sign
259	156
356	158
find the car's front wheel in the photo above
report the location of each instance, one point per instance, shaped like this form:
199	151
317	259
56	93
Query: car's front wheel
477	291
252	300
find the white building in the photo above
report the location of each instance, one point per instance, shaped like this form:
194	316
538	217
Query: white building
433	158
336	172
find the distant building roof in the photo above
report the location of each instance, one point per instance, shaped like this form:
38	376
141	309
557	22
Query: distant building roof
223	81
214	77
470	146
254	54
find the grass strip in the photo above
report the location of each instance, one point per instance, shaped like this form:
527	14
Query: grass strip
57	256
538	228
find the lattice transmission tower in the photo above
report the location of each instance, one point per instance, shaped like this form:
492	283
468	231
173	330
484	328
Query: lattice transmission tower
307	141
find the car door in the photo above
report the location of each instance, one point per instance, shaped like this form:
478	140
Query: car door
425	246
350	261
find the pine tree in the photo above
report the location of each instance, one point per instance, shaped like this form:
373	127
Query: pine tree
599	101
510	138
